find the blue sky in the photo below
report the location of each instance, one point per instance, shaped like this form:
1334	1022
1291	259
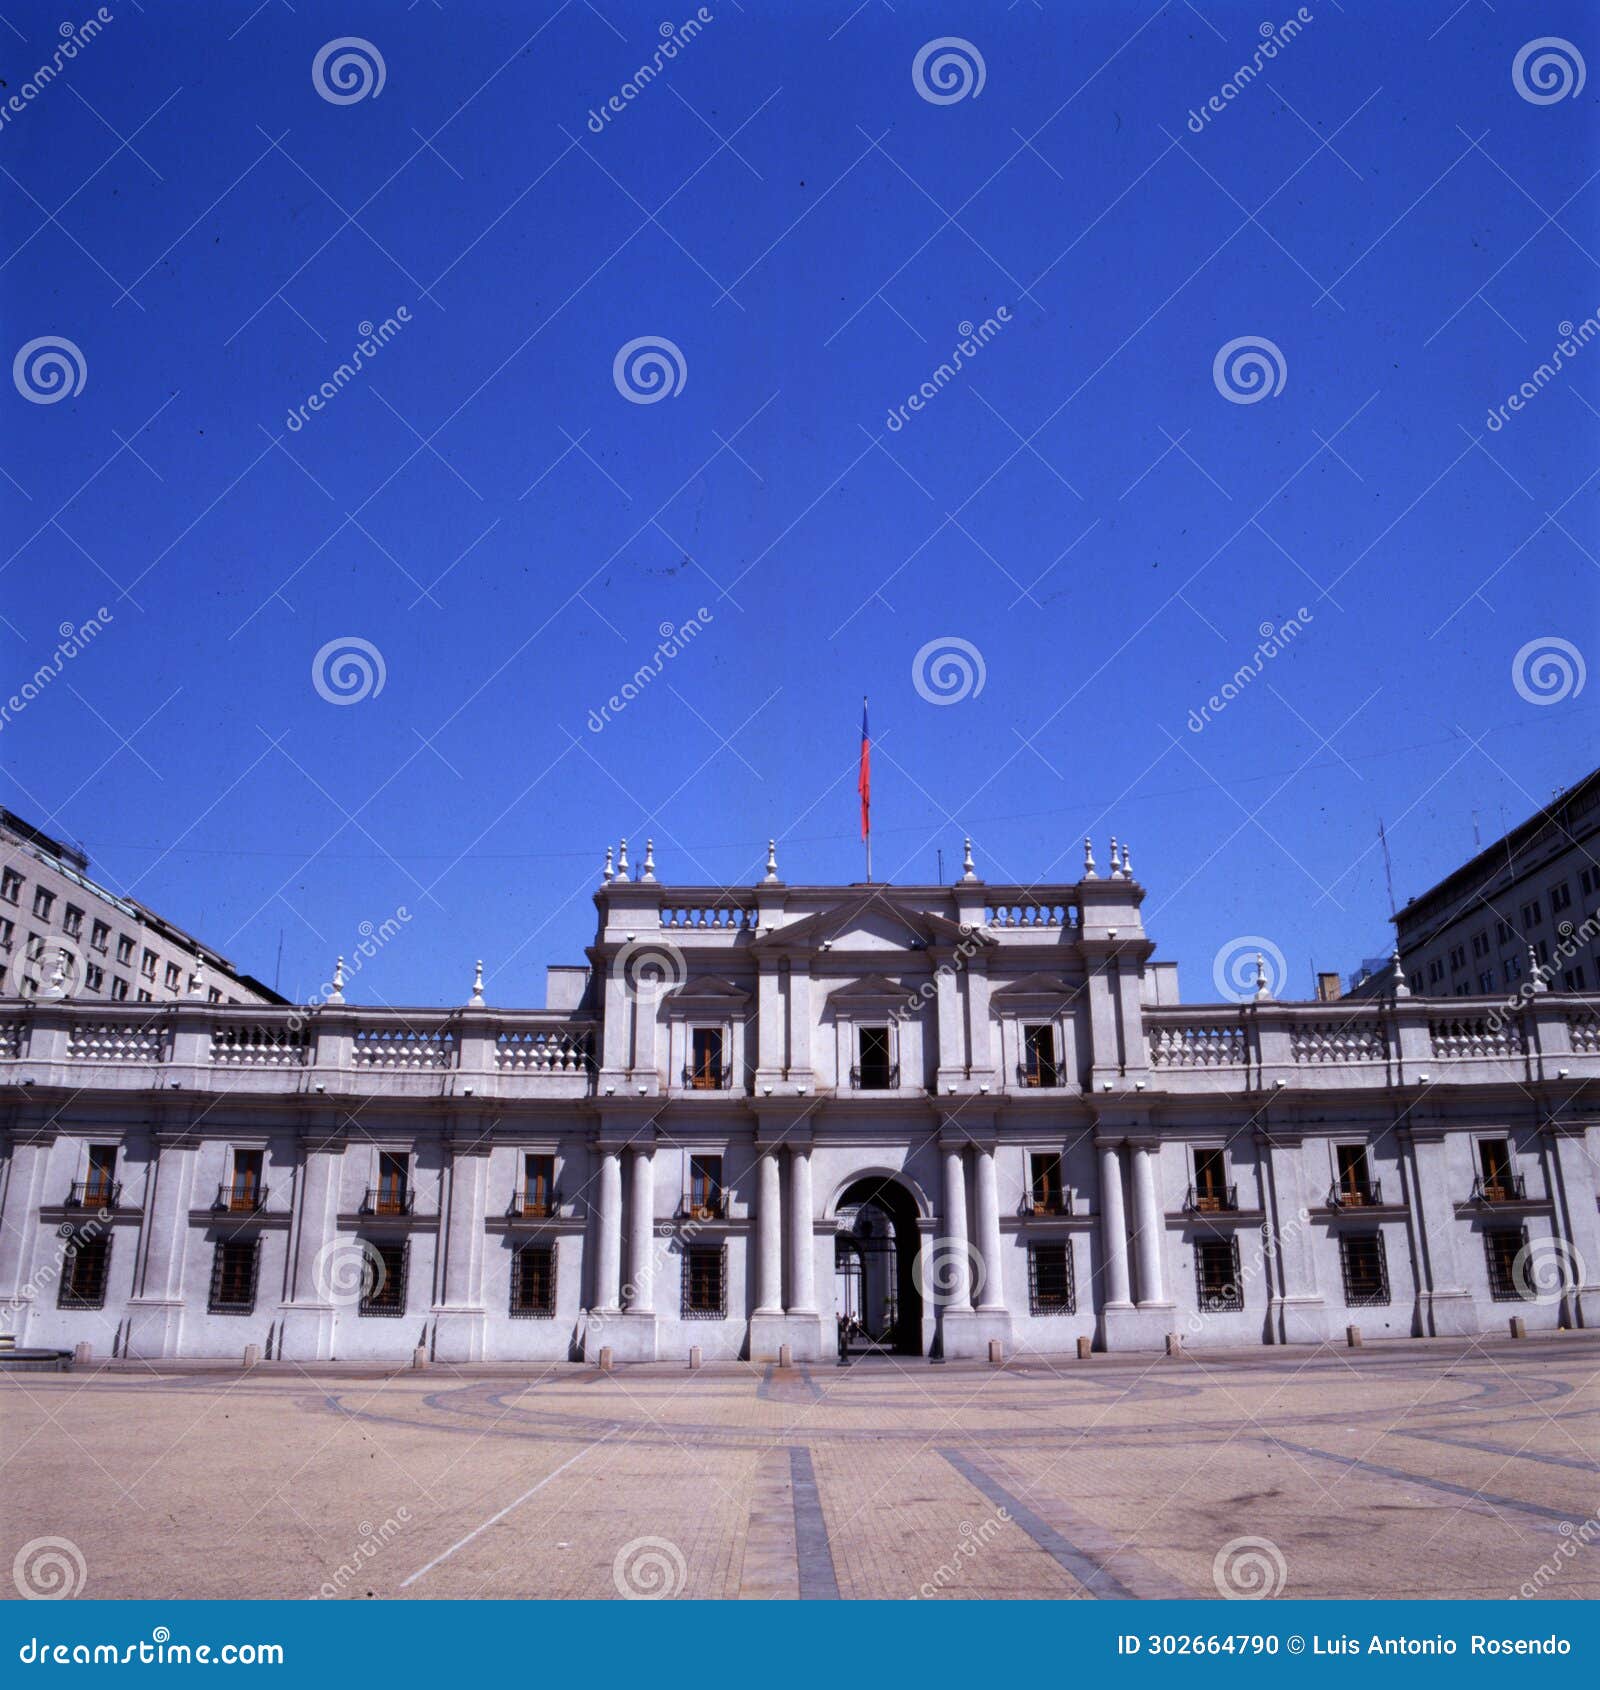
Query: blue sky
1081	504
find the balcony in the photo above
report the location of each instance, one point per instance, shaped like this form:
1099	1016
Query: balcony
94	1194
385	1200
1048	1205
1355	1194
1211	1200
530	1205
707	1079
875	1077
1042	1074
704	1206
1504	1187
239	1199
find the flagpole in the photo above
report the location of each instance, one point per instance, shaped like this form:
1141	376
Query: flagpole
866	813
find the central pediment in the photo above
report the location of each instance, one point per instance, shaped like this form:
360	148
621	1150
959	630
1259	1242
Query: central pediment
873	921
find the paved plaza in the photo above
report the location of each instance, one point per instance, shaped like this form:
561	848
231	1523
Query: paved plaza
1448	1468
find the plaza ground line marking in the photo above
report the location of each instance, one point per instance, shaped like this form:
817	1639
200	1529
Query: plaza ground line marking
494	1519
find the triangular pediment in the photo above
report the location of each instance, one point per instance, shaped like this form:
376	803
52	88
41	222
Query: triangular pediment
873	921
1033	986
710	989
869	988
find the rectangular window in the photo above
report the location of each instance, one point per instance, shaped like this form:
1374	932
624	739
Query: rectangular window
43	902
1210	1181
1532	915
1513	968
244	1192
1039	1056
1049	1195
1355	1178
1216	1275
538	1185
119	988
99	1187
1572	979
1494	1164
1589	879
1480	944
383	1279
1502	932
393	1195
704	1282
124	948
1502	1247
173	977
100	936
147	965
1560	897
1486	980
94	977
72	921
874	1072
233	1276
705	1187
705	1059
85	1269
7	933
533	1282
144	996
10	885
1050	1286
1365	1269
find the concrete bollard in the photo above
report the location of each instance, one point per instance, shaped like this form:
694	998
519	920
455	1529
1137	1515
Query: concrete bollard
1174	1343
1352	1336
694	1357
785	1355
82	1354
996	1356
419	1358
252	1355
605	1358
1085	1346
1519	1327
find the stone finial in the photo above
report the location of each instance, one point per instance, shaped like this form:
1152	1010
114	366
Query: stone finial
608	872
1397	979
336	993
197	979
1536	973
772	861
58	977
1127	864
647	871
1088	860
1116	867
622	863
1263	985
968	872
476	1000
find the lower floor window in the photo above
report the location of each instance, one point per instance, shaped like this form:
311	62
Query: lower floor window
85	1268
1050	1286
1216	1274
1365	1269
1502	1247
383	1277
704	1282
233	1275
533	1281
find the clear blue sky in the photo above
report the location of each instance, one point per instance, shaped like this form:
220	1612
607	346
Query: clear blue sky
1080	503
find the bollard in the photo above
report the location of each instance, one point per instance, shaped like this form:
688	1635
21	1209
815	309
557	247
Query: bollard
605	1358
694	1357
995	1356
82	1354
785	1355
1174	1343
1085	1345
252	1355
1352	1336
419	1358
1518	1327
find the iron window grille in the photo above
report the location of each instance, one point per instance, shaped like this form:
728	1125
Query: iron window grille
705	1282
85	1270
1365	1265
383	1280
1216	1274
1050	1282
1502	1246
234	1266
533	1283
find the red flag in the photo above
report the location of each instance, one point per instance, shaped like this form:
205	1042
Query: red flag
864	778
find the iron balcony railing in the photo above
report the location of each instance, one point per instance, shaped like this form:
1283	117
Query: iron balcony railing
383	1200
94	1194
1058	1203
1499	1188
530	1206
1355	1194
240	1199
1038	1074
1211	1199
875	1078
708	1079
707	1206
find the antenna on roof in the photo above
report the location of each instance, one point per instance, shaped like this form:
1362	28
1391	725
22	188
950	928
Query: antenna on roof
277	967
1388	867
939	853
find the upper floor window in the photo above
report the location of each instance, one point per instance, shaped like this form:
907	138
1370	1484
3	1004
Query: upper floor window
1458	957
10	885
1502	931
1480	944
1355	1186
147	965
705	1187
72	921
244	1192
1589	880
1496	1182
43	902
1211	1189
705	1059
94	977
1532	915
124	948
538	1184
1572	979
174	976
119	988
1039	1056
874	1069
100	935
7	930
1560	897
393	1194
1049	1195
100	1183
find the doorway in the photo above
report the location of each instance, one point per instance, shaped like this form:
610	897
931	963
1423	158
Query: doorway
876	1301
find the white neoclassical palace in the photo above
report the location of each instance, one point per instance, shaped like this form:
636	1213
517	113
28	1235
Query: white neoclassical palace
920	1118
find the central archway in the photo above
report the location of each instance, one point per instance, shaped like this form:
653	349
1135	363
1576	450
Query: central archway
876	1298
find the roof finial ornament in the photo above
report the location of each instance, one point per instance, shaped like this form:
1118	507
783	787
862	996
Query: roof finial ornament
772	861
608	871
1397	986
1536	973
197	979
1116	867
476	1000
1088	860
968	872
336	993
648	871
58	977
622	863
1127	865
1263	985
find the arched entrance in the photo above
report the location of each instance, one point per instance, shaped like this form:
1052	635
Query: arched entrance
874	1279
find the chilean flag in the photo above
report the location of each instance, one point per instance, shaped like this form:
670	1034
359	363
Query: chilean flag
864	778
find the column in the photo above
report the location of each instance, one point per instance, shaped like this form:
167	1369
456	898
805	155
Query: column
156	1309
307	1329
803	1266
641	1236
992	1293
19	1224
460	1318
955	1260
1149	1224
1114	1229
1302	1317
769	1236
1448	1309
608	1235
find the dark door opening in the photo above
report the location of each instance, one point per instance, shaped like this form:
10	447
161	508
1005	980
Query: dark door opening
878	1307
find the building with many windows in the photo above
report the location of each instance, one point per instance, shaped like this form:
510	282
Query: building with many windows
918	1118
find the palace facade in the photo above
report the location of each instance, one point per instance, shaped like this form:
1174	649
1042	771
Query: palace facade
936	1116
